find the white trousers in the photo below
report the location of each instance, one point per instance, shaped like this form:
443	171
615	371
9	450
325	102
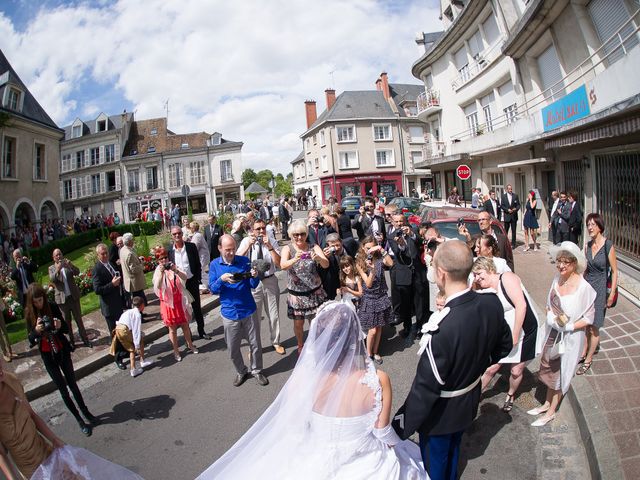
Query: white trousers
267	295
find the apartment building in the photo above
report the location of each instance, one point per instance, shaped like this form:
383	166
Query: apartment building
157	163
541	94
90	167
304	177
364	143
29	153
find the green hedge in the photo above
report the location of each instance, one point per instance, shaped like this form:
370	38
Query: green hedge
43	254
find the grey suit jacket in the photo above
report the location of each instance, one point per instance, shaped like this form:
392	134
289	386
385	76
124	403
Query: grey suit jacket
57	279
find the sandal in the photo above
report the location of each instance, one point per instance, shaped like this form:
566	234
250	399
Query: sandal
584	368
582	359
508	404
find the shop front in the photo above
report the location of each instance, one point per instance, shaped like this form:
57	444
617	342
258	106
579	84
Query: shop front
361	185
142	202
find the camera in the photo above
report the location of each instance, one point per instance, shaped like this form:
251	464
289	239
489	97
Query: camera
168	265
398	233
305	255
332	250
460	222
369	257
320	219
241	276
47	324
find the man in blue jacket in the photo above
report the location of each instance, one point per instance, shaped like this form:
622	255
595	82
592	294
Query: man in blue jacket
232	278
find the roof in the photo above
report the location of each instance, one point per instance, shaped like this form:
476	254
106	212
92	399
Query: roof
152	136
404	92
255	188
299	157
31	109
114	122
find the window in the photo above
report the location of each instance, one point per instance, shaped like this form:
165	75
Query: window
608	17
65	163
475	45
348	160
175	175
152	178
550	74
101	125
67	188
384	158
133	178
416	134
508	101
346	133
154	131
308	145
315	139
488	106
309	170
39	164
13	99
197	172
110	153
324	163
79	159
95	184
9	167
491	30
471	112
462	63
226	174
151	149
76	131
111	181
382	132
94	155
317	163
416	157
322	140
496	182
184	146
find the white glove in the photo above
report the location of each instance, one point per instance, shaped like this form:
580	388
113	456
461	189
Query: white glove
387	435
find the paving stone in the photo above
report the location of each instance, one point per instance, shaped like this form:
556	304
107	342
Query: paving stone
636	362
623	365
614	353
628	444
629	380
613	401
630	327
633	397
606	383
627	340
633	350
615	331
601	366
631	468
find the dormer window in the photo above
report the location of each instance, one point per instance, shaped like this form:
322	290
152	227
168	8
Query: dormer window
101	125
13	99
151	149
154	131
184	146
77	131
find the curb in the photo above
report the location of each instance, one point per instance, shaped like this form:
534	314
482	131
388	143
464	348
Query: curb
45	385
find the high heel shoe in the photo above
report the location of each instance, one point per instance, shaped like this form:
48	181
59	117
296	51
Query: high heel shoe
542	421
538	410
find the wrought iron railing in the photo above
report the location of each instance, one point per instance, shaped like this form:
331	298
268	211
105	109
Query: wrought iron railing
428	99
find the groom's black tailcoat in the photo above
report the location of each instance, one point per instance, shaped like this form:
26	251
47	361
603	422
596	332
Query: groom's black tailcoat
473	336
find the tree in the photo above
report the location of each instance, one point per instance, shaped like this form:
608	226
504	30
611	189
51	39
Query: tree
283	186
248	177
264	178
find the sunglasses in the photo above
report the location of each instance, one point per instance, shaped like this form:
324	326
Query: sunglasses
298	234
179	234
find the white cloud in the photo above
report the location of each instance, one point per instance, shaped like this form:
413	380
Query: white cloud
241	68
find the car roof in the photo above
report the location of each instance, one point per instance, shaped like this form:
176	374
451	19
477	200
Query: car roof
352	197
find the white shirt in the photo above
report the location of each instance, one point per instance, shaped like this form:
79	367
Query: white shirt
510	198
132	319
252	252
555	206
456	295
182	260
494	204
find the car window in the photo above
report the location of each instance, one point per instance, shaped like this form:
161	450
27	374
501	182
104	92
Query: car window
450	229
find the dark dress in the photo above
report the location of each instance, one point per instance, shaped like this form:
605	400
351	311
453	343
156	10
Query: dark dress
529	327
530	220
596	276
375	305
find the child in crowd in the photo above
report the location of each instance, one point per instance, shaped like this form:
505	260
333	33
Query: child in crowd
350	282
441	299
130	336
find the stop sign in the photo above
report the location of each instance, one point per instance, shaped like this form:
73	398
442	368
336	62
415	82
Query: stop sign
464	172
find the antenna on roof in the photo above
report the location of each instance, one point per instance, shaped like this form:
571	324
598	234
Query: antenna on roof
166	107
333	83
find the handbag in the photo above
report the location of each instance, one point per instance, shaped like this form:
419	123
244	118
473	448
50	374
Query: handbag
558	348
609	279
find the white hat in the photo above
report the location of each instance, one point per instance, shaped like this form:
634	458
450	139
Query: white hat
572	250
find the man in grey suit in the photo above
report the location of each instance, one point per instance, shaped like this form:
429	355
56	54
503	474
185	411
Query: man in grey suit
67	294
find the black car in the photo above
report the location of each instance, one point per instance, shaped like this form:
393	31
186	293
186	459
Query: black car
352	205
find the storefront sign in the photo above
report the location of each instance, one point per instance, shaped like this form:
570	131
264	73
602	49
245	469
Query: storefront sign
568	109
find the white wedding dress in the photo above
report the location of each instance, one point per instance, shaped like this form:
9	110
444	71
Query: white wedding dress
321	425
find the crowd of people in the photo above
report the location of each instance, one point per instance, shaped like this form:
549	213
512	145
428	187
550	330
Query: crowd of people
434	286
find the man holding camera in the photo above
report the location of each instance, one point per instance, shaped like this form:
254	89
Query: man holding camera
408	277
330	276
67	294
264	253
317	230
232	278
133	279
369	222
22	274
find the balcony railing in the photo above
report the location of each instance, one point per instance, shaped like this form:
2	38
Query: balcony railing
428	102
482	61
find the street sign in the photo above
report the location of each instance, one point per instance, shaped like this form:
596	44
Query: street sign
185	190
463	172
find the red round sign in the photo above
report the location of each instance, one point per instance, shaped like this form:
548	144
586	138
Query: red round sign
464	172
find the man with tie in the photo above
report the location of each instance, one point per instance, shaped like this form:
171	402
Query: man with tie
107	283
561	218
212	233
510	205
67	294
575	217
553	226
317	230
370	223
22	274
492	206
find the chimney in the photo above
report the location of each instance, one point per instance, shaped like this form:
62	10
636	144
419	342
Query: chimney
330	95
310	110
385	85
379	85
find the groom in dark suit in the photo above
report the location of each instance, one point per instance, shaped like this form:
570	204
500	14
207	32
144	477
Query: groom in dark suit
458	345
212	233
510	205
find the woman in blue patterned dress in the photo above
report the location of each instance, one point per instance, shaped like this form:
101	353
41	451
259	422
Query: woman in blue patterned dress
530	222
375	305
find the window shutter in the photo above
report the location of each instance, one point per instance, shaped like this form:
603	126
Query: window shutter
103	157
475	44
117	175
87	186
62	190
460	58
87	157
507	95
103	184
491	30
471	108
116	152
550	73
608	16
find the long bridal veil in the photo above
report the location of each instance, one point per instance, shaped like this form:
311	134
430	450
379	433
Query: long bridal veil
326	381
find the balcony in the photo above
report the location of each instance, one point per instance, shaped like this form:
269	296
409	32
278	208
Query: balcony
432	152
477	65
428	103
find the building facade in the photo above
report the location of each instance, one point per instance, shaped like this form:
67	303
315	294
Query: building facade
542	95
90	167
304	177
365	143
30	155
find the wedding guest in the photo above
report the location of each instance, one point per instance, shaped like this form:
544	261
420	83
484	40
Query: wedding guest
129	335
47	331
484	222
530	222
175	305
133	280
212	233
302	262
237	230
520	317
345	231
570	307
375	306
370	222
114	249
232	278
203	253
334	251
5	344
317	231
553	224
510	205
575	217
488	247
601	258
350	281
22	273
67	294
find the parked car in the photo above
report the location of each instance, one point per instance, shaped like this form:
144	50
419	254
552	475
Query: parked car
406	205
352	205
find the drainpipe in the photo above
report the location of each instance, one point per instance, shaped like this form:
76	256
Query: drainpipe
214	202
333	168
405	187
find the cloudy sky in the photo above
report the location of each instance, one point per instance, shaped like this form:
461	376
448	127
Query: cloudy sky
242	68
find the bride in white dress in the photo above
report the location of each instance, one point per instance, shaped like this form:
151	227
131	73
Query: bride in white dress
330	421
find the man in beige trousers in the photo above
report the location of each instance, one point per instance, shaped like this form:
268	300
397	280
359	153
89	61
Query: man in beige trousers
132	269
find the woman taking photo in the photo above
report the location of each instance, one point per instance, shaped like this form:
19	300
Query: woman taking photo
175	302
530	222
601	257
306	294
570	307
47	330
375	305
519	316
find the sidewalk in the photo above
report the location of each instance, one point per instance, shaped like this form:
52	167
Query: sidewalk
606	401
35	379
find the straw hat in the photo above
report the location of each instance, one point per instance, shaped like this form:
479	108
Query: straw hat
570	249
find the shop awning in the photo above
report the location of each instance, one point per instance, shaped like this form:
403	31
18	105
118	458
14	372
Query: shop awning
520	163
608	130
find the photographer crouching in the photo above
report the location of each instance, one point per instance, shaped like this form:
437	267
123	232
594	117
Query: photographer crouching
232	278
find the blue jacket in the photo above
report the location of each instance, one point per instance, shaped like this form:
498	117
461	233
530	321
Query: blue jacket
236	300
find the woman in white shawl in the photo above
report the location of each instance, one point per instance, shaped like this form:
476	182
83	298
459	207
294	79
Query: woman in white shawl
175	300
570	307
